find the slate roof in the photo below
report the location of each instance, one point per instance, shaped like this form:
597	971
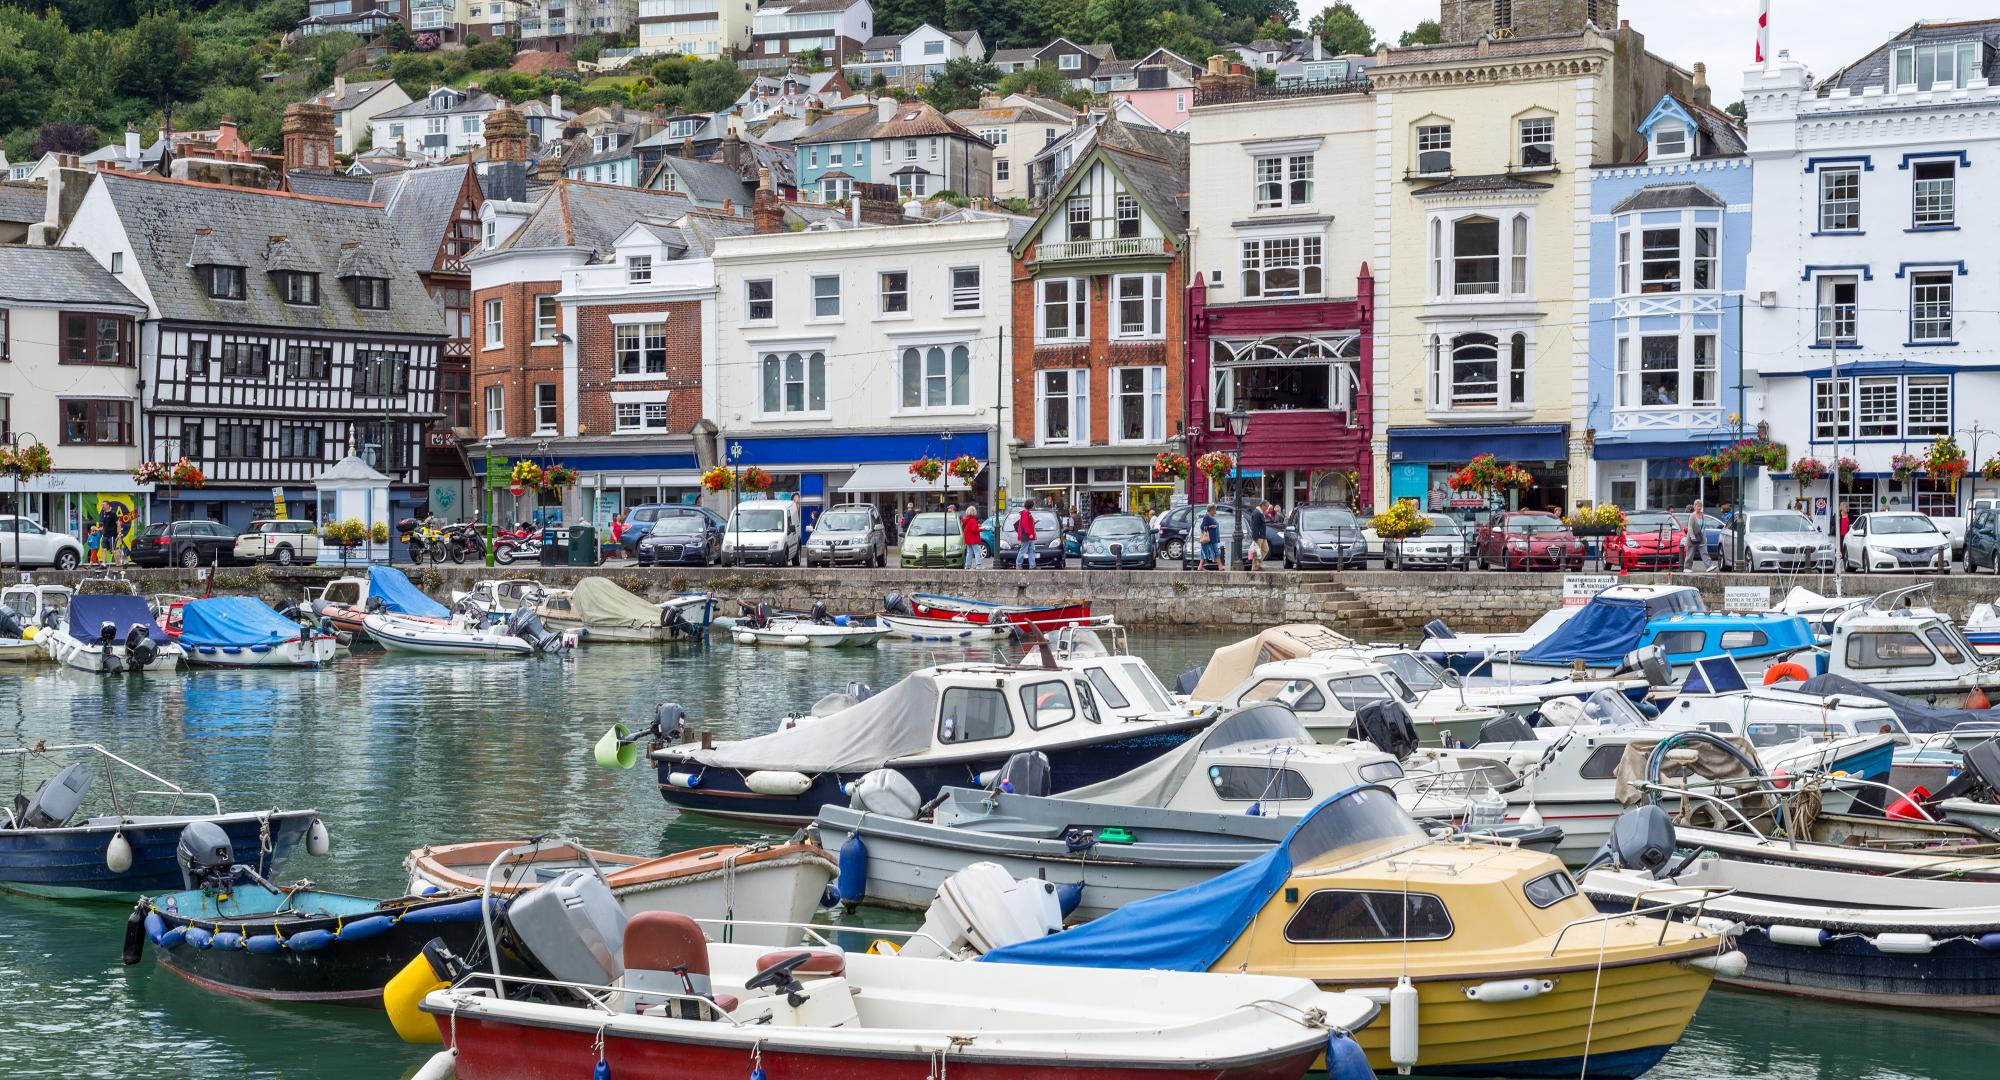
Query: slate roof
780	161
708	181
330	185
1483	184
1014	56
1722	136
1111	68
699	232
357	92
846	127
1874	69
577	213
881	42
23	202
1669	197
59	275
161	218
419	204
476	101
1159	183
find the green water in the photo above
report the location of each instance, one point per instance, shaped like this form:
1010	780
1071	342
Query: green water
396	752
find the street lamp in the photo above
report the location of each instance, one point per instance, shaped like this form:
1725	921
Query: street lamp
736	497
1239	426
20	566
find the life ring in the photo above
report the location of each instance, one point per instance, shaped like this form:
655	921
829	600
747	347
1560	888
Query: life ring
1786	672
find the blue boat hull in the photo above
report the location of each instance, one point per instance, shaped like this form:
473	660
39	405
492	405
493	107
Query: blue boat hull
1621	1065
1959	975
723	792
69	863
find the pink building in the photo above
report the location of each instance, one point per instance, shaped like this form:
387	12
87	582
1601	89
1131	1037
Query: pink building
1162	98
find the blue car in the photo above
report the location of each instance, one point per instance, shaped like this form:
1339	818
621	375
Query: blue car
681	536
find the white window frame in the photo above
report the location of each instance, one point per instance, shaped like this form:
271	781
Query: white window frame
945	348
1261	256
1524	144
966	299
1069	62
1832	326
548	319
782	353
1431	138
1282	181
750	316
638	269
1077	392
1689	263
1516	263
883	294
1002	171
1443	395
1151	298
496	410
642	414
634	341
1840	199
496	323
548	414
815	295
1892	413
1153	398
1689	363
1933	306
1905	65
1076	301
1682	145
1934	202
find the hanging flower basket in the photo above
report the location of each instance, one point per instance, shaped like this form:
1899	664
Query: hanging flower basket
1711	467
965	467
1808	470
185	474
753	478
1906	467
1171	466
150	472
718	478
1514	476
1945	461
1215	465
526	474
1755	453
1990	470
27	463
556	478
1847	467
926	469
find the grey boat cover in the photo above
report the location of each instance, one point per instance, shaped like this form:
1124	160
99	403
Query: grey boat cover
599	601
1155	783
895	723
1915	715
1232	664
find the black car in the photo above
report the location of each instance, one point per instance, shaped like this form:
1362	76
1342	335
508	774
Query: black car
1176	525
639	520
186	543
681	536
1317	536
1117	542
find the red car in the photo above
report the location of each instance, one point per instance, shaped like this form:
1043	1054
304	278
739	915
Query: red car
1526	540
1653	540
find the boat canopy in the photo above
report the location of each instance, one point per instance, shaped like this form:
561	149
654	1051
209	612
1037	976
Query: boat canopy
1915	715
1602	633
239	621
1156	782
399	596
1190	929
1232	664
895	723
88	612
599	601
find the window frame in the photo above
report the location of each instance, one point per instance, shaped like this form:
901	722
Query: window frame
892	302
953	385
495	403
959	292
124	419
642	343
548	319
225	282
297	288
955	738
317	369
1839	199
819	298
1513	257
1941	320
1151	396
1943	220
369	293
494	323
1076	399
549	404
1431	139
1152	303
751	301
1827	308
812	368
638	269
1075	304
1256	256
92	340
1513	381
1404	900
1522	144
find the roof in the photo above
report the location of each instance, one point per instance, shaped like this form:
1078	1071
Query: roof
59	275
357	92
841	127
1014	56
1018	225
23	202
475	101
576	213
1669	197
419	205
803	7
1110	68
882	42
161	217
780	161
708	181
1160	184
330	185
1483	184
1874	68
916	118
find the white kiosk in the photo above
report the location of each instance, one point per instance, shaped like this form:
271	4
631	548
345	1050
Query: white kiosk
353	489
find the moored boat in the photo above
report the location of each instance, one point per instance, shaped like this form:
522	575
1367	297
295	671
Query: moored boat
346	601
240	631
946	610
26	611
465	635
817	629
109	633
604	612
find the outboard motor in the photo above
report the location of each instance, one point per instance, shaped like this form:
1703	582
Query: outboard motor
1641	839
820	615
56	801
139	649
1189	679
206	859
894	604
860	691
10	622
1025	773
1387	724
764	613
290	612
1649	662
1507	728
107	639
375	605
526	624
676	623
669	722
50	618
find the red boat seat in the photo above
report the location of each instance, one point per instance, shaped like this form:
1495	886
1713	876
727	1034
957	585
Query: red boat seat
818	962
665	953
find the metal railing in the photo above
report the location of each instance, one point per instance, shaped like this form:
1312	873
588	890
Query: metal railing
1119	247
1222	94
174	791
1699	903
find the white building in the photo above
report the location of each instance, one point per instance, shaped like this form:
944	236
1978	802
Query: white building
705	28
1867	320
355	104
847	353
446	123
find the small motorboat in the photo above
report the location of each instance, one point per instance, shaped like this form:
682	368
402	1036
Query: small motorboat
496	598
466	634
662	1001
816	629
1491	962
110	633
167	611
604	612
1464	652
1892	643
46	850
1625	620
929	617
763	891
230	929
347	601
1327	689
1982	628
241	631
26	611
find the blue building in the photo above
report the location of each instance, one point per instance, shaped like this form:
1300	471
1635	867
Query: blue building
1669	237
833	156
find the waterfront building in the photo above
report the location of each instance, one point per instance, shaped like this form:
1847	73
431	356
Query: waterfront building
1016	126
1867	325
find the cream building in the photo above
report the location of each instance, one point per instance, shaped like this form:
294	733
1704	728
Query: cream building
1482	238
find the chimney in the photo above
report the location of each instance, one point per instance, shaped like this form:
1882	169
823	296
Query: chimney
1218	64
506	135
132	145
732	151
767	215
66	187
1701	84
339	87
308	132
555	104
1223	81
989	101
885	109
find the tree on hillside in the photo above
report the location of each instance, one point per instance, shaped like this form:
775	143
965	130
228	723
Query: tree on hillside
712	85
1042	82
64	137
157	64
1343	30
959	85
1737	110
1427	32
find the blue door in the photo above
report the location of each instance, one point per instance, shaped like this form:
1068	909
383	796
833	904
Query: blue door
1409	482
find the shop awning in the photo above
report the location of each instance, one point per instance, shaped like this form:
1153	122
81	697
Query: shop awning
894	477
1455	444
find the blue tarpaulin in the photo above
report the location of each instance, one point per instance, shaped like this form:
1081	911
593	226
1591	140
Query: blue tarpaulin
1602	633
400	596
88	612
238	621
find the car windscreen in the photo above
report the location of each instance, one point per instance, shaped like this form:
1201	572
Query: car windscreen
155	530
648	513
760	520
1117	526
1045	524
1535	525
687	525
927	525
1441	523
1902	524
844	521
1322	520
1650	522
1780	523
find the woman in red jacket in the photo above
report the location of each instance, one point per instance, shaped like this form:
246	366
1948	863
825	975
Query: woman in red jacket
975	550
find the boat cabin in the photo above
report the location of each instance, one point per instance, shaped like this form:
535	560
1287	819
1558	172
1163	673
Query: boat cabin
347	592
1905	648
497	596
1712	700
31	602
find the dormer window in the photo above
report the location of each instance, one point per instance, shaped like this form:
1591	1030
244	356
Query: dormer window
1670	141
224	282
1538	142
298	287
1936	65
369	293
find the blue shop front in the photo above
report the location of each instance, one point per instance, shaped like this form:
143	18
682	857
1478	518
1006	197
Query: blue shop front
609	478
1421	458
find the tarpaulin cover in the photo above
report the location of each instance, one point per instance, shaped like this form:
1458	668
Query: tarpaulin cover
89	611
1603	632
1915	715
1232	664
1190	929
600	601
400	596
1155	783
895	723
238	621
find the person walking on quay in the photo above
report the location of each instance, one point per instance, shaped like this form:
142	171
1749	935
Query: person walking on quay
1024	531
1255	542
975	551
107	524
1698	539
1209	531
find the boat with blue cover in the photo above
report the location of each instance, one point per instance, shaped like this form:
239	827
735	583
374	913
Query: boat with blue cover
110	633
230	929
52	845
1626	620
242	631
345	601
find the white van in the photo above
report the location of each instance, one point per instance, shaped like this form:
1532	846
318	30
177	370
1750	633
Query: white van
762	531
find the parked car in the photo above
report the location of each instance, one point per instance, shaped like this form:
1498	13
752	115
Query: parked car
1982	540
39	546
639	520
1894	540
684	536
188	543
1711	531
1049	551
849	532
1444	545
281	541
933	539
1118	541
762	531
1321	536
1524	540
1171	534
1775	540
1653	540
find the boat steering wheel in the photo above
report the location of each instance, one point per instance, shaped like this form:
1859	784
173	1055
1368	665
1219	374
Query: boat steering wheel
779	979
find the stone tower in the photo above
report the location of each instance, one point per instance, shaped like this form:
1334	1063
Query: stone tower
308	131
1467	20
506	135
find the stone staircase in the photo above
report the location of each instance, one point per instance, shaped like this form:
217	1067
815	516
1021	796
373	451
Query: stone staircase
1332	603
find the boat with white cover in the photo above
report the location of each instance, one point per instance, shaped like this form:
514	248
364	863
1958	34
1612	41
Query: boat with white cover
27	610
604	612
108	633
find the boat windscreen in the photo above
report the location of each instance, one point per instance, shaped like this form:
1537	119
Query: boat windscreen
1268	722
1362	820
1612	709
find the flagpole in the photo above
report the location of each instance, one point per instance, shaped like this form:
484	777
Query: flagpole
1764	33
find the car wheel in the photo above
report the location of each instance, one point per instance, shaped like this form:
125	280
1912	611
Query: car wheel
282	556
66	559
190	557
1176	549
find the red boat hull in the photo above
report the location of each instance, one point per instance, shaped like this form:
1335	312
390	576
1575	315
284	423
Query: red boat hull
1041	618
496	1051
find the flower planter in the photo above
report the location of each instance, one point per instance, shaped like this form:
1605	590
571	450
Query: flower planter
1595	530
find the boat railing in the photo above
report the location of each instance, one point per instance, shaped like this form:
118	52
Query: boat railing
1661	910
1727	805
813	931
588	991
173	790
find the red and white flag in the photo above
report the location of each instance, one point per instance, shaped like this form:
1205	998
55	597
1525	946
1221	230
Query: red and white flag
1764	31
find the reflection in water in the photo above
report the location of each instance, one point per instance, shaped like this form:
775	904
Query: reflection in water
396	752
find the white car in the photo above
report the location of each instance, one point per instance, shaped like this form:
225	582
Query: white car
39	546
1443	545
1893	540
280	541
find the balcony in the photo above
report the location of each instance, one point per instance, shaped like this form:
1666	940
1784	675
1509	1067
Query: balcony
1128	247
1705	419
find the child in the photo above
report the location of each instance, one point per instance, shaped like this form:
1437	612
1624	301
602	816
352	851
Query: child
91	540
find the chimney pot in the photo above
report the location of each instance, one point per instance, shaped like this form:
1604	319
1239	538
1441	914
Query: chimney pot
339	87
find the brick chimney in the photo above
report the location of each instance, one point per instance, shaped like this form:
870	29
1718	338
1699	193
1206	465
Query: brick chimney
308	131
1701	96
1224	80
506	134
767	213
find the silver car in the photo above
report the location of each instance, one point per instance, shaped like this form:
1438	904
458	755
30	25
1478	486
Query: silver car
848	533
1775	540
1443	545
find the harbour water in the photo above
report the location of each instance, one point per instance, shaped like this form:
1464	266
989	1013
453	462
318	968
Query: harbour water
396	752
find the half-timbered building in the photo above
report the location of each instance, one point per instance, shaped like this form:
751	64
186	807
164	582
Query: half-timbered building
281	331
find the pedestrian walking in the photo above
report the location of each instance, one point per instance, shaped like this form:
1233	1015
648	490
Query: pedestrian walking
1255	543
975	551
93	536
1024	531
1697	539
1210	534
107	524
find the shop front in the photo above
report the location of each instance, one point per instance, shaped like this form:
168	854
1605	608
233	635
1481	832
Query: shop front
611	475
70	500
1656	476
1422	460
1095	480
822	470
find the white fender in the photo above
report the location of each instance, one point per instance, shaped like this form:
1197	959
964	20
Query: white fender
777	782
443	1065
684	780
118	854
1727	965
1504	990
317	842
1810	937
1905	944
1403	1034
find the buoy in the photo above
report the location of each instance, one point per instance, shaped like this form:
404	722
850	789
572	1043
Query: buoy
1905	944
1977	699
1810	937
1780	778
1907	808
1403	1038
317	842
403	999
264	944
1785	672
1068	896
1345	1060
852	884
135	936
118	854
309	940
1531	817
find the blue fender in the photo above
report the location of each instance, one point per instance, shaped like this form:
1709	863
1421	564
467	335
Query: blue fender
852	884
463	911
226	939
309	940
1990	942
198	937
264	944
363	929
1345	1060
1068	896
172	938
155	926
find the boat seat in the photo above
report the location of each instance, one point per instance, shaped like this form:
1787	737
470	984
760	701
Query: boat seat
818	962
666	954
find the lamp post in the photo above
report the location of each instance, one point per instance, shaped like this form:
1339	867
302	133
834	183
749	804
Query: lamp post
20	565
736	496
1972	462
1239	426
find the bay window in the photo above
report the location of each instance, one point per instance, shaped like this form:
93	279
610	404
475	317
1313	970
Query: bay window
1481	255
1140	301
1838	310
1668	370
936	377
1675	252
1279	267
1138	401
1479	371
793	382
1062	407
1878	405
1475	257
1062	309
1283	374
